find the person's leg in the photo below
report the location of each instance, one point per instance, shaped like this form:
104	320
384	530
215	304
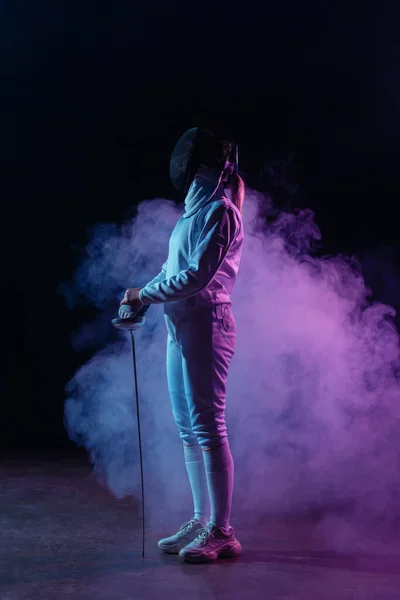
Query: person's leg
192	453
192	450
198	482
208	337
219	469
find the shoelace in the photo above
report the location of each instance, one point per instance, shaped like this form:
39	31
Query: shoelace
186	526
204	535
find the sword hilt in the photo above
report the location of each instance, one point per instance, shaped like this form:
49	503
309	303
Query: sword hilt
132	320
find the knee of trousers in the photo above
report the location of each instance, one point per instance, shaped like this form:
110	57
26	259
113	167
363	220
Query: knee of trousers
188	438
210	441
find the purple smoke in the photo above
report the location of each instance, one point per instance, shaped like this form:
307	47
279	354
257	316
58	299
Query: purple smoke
313	393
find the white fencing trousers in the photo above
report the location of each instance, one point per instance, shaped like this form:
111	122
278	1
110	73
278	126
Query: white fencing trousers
199	349
200	346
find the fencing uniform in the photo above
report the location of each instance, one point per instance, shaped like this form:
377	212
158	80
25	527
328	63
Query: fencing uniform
195	284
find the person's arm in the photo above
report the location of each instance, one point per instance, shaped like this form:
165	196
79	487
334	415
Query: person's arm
161	276
213	244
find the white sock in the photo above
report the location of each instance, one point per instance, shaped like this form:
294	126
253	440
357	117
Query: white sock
198	483
219	469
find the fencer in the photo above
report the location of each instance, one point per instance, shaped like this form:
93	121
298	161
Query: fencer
195	286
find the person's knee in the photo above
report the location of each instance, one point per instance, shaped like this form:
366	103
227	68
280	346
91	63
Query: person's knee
209	442
189	439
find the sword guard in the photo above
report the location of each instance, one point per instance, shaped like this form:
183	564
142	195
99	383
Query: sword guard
131	321
129	324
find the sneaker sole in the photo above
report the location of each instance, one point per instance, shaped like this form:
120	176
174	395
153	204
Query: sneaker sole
170	549
231	551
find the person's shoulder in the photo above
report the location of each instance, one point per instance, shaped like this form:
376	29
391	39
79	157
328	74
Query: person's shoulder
226	206
222	205
224	211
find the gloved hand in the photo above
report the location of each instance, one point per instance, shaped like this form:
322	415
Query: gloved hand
125	312
131	299
128	319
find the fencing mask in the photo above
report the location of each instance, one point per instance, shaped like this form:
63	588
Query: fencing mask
196	147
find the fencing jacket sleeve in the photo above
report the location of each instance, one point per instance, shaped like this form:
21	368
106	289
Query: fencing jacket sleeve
218	228
161	276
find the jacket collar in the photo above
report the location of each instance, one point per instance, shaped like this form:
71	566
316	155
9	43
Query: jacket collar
207	185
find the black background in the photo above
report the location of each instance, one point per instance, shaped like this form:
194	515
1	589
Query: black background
94	96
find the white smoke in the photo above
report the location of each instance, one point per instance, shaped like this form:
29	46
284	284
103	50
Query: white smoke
313	392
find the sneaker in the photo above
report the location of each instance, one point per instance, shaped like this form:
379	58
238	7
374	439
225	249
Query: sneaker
211	543
186	534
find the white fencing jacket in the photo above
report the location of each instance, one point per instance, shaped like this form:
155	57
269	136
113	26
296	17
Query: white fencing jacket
205	249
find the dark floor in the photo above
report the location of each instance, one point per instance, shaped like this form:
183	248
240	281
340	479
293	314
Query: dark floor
63	536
